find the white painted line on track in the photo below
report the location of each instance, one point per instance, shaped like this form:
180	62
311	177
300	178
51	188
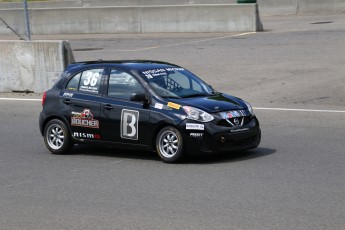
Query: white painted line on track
301	110
257	108
211	39
18	99
187	43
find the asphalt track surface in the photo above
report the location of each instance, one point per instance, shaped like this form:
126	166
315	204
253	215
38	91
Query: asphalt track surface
293	74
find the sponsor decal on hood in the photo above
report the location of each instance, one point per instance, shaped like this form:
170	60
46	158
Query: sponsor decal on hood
174	105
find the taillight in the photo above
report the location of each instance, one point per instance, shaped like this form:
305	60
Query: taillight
44	98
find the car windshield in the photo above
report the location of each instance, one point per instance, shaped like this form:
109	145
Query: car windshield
176	82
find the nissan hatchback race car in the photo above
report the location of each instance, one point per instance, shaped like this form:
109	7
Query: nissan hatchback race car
144	105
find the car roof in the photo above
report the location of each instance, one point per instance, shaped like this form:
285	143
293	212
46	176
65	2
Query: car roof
125	64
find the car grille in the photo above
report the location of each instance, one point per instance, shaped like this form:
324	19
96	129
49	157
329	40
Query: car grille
234	118
229	122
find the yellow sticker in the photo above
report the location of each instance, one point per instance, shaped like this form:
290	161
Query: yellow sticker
174	105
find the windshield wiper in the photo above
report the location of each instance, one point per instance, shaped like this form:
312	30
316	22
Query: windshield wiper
196	95
170	97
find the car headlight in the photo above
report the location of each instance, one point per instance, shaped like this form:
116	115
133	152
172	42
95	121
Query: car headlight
250	108
197	114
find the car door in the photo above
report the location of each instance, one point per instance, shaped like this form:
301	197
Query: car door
80	103
125	121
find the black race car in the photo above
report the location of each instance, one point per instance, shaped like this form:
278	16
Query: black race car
144	105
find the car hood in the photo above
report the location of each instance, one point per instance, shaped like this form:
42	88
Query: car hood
214	103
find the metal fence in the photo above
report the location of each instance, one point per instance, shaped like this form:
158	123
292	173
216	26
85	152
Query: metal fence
17	22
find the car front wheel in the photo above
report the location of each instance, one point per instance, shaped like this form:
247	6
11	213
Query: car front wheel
57	137
169	145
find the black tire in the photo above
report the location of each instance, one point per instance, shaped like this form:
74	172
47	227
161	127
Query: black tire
57	137
169	145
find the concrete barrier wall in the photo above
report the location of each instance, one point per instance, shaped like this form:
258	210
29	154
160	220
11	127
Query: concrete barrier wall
267	7
300	7
32	66
199	18
93	3
143	19
278	7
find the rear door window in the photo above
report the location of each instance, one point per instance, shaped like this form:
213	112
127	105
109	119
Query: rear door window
73	84
88	81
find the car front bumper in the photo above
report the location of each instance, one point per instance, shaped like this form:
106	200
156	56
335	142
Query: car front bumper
215	139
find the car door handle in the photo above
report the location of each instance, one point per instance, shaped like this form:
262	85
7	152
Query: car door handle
108	107
67	101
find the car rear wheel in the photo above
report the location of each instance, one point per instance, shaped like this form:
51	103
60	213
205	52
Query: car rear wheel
57	137
169	145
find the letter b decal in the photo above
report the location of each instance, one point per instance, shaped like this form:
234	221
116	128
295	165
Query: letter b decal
129	124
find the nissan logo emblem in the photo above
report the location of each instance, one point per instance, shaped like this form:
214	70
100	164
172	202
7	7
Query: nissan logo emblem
236	121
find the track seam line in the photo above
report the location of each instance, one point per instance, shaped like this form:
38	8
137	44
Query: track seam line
301	110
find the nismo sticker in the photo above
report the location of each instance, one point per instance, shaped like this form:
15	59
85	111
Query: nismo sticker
86	135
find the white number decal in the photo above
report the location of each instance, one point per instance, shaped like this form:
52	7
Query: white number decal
94	79
88	78
91	79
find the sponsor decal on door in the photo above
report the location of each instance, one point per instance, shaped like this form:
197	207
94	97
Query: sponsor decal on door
84	119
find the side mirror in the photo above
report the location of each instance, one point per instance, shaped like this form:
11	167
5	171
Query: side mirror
140	97
213	91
